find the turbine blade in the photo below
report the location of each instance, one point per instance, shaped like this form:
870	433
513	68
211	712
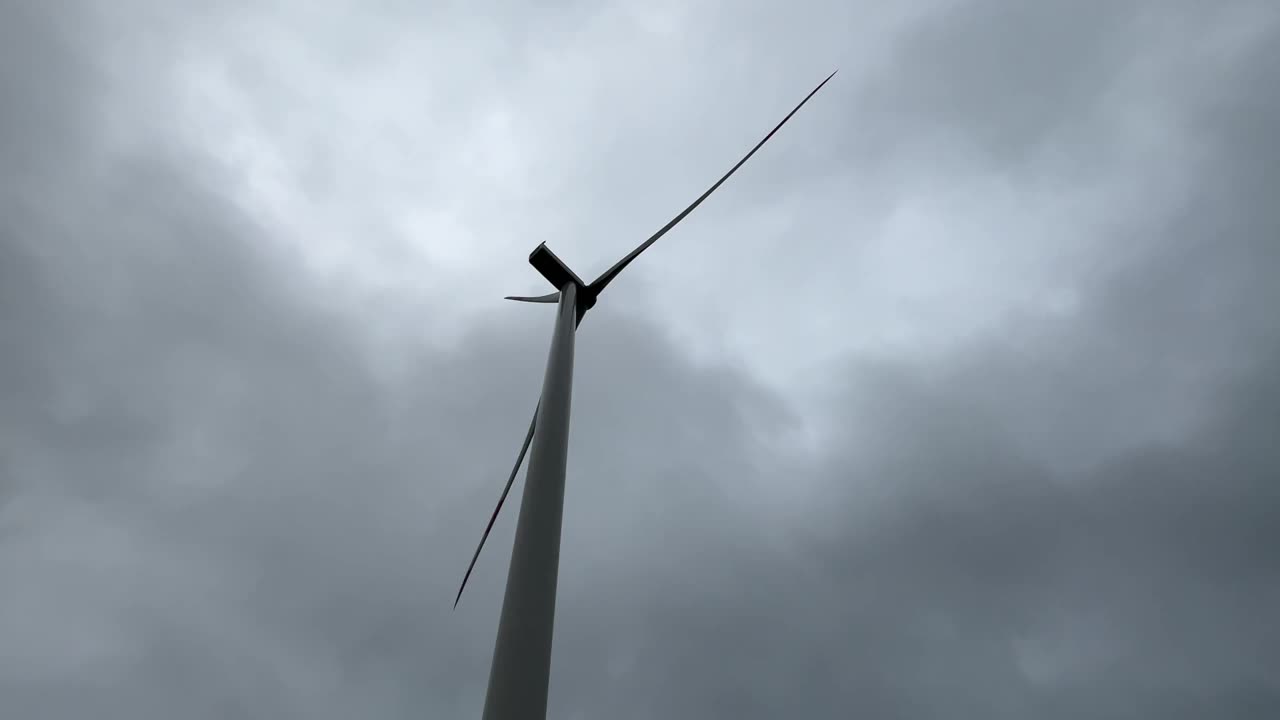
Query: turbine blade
600	282
503	498
548	298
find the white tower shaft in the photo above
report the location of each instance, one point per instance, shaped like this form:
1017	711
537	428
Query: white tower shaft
521	669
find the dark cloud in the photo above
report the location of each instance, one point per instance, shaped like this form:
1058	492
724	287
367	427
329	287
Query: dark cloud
1008	77
221	496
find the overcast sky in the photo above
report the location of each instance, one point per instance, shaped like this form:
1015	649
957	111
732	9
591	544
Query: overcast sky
959	401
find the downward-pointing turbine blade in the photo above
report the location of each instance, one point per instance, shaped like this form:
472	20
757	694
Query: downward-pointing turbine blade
548	298
492	518
600	282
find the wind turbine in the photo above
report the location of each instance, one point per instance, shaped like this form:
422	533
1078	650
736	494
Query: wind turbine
521	667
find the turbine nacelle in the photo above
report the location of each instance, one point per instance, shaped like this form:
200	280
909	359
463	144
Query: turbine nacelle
551	267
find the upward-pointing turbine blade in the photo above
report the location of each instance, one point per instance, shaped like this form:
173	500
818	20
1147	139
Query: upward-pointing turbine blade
528	438
600	282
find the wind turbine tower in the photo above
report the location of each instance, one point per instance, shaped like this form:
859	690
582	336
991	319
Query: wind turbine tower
520	673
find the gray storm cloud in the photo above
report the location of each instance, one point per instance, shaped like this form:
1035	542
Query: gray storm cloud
227	491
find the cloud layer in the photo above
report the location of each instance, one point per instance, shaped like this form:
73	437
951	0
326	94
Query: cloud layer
985	431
